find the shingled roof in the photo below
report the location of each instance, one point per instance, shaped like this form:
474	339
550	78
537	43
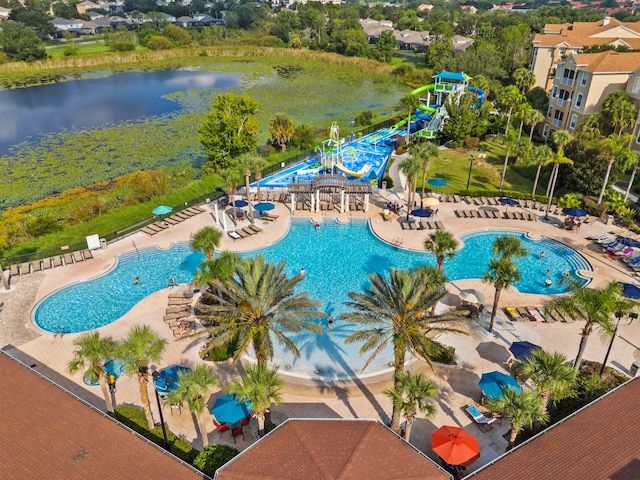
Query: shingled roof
608	62
600	441
49	433
583	34
331	449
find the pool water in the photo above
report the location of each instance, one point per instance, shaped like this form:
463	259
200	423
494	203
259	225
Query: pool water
337	258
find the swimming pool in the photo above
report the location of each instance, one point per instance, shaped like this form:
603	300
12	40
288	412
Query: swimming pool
337	258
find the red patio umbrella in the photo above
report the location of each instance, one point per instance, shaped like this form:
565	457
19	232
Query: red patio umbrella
455	445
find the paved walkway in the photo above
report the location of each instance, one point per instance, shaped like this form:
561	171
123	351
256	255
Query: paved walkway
476	352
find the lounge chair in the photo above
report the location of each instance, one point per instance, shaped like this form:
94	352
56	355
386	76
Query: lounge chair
198	208
173	302
174	218
86	253
484	423
524	313
235	235
77	257
14	271
513	314
25	268
148	231
546	315
270	216
36	266
46	264
188	295
68	259
254	228
57	261
535	314
172	221
457	213
178	309
439	225
404	225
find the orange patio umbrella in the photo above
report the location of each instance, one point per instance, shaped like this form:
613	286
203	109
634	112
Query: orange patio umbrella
455	445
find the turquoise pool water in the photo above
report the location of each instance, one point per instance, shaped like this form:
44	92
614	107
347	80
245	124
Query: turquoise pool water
336	259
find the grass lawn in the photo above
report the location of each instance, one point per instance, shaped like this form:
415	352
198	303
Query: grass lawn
81	49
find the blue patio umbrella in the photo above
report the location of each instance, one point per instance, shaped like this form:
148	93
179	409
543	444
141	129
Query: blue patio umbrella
522	350
227	409
437	182
161	210
574	212
263	206
630	290
168	378
509	201
421	212
240	203
493	384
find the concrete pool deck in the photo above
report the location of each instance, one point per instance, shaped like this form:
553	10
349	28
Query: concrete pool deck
476	353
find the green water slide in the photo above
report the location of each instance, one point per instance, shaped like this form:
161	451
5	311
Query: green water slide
425	88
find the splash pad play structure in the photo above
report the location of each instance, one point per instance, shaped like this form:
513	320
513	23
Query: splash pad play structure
428	119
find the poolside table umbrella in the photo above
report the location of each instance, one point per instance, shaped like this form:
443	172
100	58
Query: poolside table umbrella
523	350
509	201
494	383
471	295
455	445
631	291
421	212
227	409
240	203
161	210
430	202
168	378
264	206
437	182
574	212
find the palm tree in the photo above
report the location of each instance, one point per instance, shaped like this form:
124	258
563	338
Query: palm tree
551	373
509	246
511	143
616	148
93	350
220	268
412	396
621	110
249	163
509	97
261	386
396	311
141	346
411	166
231	178
255	304
535	117
595	306
411	103
193	387
521	408
560	138
524	79
424	152
206	240
502	274
539	155
443	245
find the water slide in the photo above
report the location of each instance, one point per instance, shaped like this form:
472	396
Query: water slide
480	93
351	173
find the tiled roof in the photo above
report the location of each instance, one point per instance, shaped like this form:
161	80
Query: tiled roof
601	441
331	450
608	62
48	433
581	34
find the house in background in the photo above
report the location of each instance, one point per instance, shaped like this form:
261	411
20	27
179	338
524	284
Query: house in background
582	83
551	47
4	12
85	6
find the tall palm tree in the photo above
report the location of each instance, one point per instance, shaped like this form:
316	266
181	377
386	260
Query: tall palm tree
595	306
261	386
539	155
535	117
524	79
250	163
411	103
415	390
502	274
411	166
560	138
424	153
255	304
443	245
220	268
621	110
616	148
396	311
206	240
511	143
509	97
551	373
231	177
91	353
141	346
509	246
521	408
193	387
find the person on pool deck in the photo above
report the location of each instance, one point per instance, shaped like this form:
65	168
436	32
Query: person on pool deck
111	381
136	281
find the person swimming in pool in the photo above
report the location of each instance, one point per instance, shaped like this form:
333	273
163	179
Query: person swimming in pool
136	281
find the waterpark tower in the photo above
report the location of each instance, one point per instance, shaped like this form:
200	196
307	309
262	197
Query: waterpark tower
331	148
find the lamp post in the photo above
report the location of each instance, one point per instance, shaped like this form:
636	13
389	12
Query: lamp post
155	375
471	159
619	316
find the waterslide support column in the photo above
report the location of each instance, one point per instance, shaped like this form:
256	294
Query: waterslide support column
318	199
215	211
341	201
224	222
293	202
366	202
347	205
313	203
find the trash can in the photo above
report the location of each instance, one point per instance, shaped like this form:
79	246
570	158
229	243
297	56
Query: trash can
635	369
103	243
384	185
609	219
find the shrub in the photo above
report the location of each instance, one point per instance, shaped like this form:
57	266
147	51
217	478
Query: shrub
592	207
213	457
158	42
389	181
221	353
364	119
178	34
471	143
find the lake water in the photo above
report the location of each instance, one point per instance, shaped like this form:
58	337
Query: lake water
28	112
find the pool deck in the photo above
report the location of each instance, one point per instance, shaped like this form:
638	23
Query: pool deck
477	352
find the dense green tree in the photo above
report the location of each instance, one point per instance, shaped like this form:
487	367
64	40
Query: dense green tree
159	42
538	99
229	129
514	42
460	122
438	52
91	353
386	44
479	59
412	396
286	22
524	79
620	110
303	137
258	302
261	386
396	311
21	43
38	21
213	457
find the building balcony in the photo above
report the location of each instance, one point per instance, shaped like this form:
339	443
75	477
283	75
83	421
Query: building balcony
562	103
556	123
569	82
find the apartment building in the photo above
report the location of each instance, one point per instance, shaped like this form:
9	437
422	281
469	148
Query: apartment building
557	42
633	90
583	81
